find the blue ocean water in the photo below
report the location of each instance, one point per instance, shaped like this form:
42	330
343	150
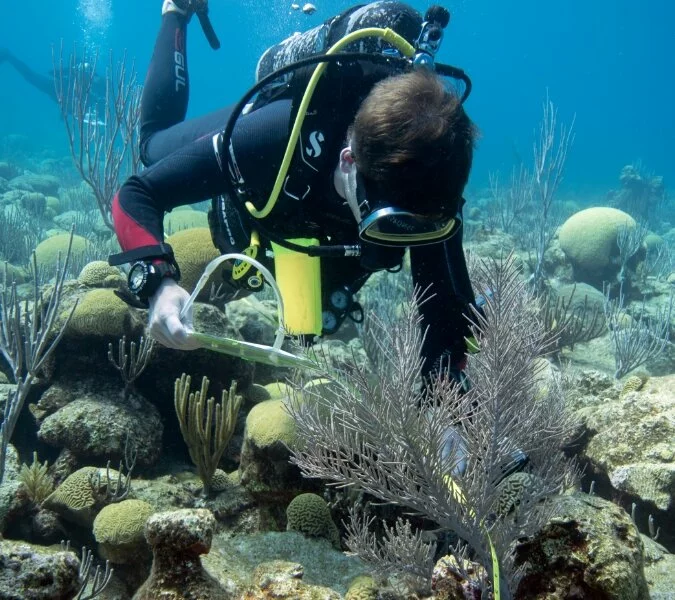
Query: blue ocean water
609	62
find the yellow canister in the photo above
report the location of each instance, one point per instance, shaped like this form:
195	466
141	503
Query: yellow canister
299	279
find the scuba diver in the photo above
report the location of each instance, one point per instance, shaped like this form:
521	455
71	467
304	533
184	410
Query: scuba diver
382	153
45	83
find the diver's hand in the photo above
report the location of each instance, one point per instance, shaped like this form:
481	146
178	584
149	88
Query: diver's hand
165	324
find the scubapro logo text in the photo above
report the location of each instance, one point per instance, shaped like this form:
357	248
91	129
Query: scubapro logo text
316	138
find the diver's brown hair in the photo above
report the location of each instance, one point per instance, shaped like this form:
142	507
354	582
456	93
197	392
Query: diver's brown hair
412	139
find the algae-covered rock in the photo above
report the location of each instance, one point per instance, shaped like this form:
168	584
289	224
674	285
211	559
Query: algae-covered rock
98	422
37	573
309	514
588	549
178	538
261	565
119	530
632	441
33	182
10	502
659	570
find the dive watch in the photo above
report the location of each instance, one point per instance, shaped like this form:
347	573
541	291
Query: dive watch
145	277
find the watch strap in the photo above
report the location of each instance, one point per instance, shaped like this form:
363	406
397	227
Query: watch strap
161	251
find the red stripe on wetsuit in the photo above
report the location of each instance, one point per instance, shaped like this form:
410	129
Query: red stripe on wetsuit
130	233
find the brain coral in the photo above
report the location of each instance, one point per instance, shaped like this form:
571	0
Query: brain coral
309	514
47	252
118	529
362	587
588	238
96	273
100	313
269	423
178	220
193	250
76	499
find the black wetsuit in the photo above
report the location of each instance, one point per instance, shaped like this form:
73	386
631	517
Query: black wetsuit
45	83
183	168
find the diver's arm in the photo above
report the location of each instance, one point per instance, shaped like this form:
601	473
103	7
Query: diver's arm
443	267
41	82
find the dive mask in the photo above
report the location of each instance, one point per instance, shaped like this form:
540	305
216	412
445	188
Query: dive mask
380	222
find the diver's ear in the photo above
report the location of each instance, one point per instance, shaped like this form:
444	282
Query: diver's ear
346	160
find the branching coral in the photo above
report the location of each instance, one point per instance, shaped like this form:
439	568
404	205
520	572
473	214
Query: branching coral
206	426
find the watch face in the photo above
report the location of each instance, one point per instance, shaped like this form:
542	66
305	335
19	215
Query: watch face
138	275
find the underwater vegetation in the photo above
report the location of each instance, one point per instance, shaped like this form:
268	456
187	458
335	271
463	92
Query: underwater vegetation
336	483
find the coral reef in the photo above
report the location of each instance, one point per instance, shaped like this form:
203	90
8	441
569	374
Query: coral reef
81	495
119	530
589	240
589	548
194	250
36	573
49	251
309	514
177	540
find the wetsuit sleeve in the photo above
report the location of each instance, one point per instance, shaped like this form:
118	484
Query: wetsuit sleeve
192	173
442	269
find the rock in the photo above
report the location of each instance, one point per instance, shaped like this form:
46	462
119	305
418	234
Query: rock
164	493
7	170
588	549
177	539
659	570
256	321
101	421
35	203
167	365
35	573
46	528
283	580
281	565
32	182
10	503
632	442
